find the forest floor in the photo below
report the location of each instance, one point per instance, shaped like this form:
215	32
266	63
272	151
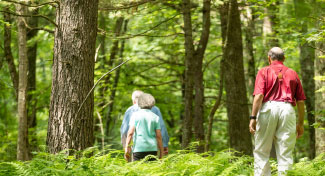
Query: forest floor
181	163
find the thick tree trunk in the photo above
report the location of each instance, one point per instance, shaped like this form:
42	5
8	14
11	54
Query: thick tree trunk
31	83
189	74
235	87
73	76
22	145
319	100
8	53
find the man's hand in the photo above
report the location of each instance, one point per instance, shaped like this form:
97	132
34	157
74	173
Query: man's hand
127	153
165	150
252	126
300	130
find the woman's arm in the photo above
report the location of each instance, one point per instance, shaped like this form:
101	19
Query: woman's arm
127	149
159	142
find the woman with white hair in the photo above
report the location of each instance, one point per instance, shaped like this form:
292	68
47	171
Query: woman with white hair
145	130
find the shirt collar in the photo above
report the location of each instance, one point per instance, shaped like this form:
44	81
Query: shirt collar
276	62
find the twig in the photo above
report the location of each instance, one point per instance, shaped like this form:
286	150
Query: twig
23	15
98	82
127	6
101	129
316	48
29	5
142	33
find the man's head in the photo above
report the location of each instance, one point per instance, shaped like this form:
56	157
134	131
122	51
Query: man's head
146	101
276	53
135	96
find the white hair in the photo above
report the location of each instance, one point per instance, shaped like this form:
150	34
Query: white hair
276	53
135	95
146	101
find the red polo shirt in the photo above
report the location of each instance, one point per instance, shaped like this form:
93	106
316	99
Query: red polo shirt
279	83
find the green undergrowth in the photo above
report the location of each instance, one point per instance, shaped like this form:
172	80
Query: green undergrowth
92	163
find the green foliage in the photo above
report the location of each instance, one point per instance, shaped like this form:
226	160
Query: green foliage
180	163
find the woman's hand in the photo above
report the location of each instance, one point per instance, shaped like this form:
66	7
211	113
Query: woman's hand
127	153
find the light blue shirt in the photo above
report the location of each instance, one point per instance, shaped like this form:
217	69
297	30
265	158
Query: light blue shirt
126	120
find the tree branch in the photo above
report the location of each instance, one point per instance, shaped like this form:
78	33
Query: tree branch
37	5
126	6
24	15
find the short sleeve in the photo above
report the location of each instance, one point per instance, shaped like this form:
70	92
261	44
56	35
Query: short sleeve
133	120
157	124
299	95
259	83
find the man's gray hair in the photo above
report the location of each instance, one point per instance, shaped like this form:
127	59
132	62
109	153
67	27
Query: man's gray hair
146	101
135	95
276	53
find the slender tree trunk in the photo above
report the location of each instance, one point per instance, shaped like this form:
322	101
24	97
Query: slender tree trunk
115	83
249	32
235	87
319	100
198	77
73	76
214	109
22	144
31	83
189	74
7	51
307	58
270	24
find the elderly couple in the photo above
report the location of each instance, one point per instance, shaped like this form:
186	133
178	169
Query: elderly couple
277	90
143	122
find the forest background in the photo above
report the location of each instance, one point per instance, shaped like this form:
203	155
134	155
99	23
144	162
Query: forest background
198	58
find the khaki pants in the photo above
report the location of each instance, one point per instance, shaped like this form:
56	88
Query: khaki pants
276	122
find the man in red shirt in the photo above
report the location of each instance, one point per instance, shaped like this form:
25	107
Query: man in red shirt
277	90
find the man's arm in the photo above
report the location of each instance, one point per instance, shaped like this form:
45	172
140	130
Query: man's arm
127	148
159	142
301	116
257	103
125	125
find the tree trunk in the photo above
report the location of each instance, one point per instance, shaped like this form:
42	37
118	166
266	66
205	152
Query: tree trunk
8	53
189	74
319	100
22	144
307	58
214	109
249	32
73	76
115	83
270	38
235	87
198	77
31	83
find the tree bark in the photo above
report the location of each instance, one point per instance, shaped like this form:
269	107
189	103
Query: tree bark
249	32
237	109
8	53
319	100
22	144
189	74
73	76
198	77
214	109
31	82
115	83
307	58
